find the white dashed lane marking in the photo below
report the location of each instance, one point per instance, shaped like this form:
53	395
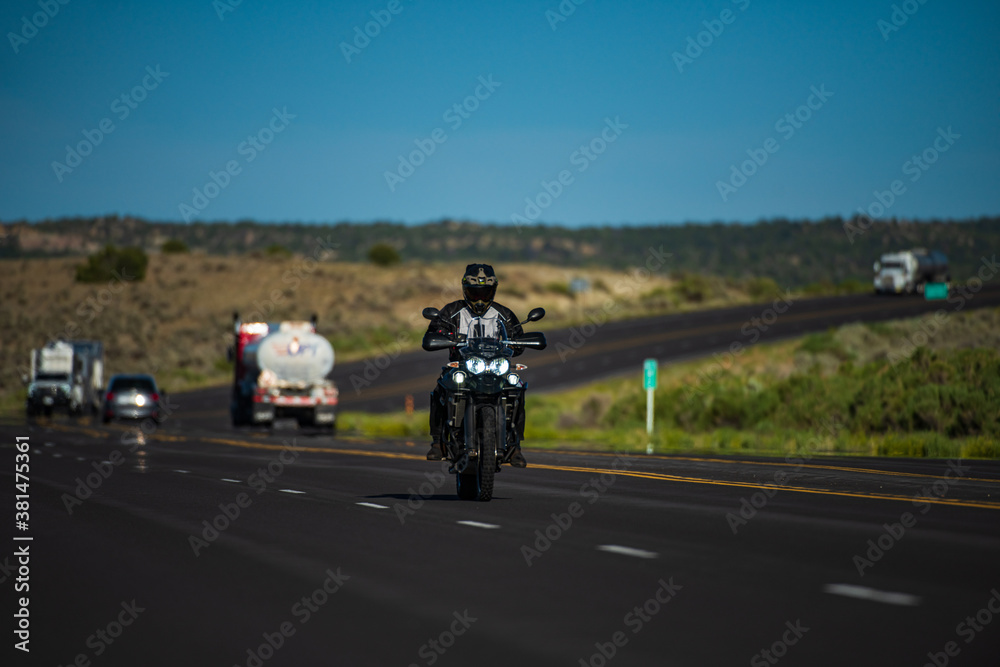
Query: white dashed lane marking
478	524
627	551
865	593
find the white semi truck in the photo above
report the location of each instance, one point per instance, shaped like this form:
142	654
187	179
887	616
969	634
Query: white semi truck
66	376
907	271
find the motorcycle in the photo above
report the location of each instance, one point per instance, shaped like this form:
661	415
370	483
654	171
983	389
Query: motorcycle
483	391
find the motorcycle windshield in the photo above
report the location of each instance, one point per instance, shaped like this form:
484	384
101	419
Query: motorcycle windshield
484	335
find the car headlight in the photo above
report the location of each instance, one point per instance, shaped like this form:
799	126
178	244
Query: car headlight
475	365
140	400
458	377
498	366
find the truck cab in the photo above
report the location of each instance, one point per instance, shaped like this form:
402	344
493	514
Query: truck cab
895	273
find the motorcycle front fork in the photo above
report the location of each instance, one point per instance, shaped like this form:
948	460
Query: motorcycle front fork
457	409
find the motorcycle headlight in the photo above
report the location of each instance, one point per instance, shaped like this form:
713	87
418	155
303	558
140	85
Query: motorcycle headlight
513	379
498	366
475	365
458	377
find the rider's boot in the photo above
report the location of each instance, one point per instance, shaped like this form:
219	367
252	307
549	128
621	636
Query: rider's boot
436	452
516	458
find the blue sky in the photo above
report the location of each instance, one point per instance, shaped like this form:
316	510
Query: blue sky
661	134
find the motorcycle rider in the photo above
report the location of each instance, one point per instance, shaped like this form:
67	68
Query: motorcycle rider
479	287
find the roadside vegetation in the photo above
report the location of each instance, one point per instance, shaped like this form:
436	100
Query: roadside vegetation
917	387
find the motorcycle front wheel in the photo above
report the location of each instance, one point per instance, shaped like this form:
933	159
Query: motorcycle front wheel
477	484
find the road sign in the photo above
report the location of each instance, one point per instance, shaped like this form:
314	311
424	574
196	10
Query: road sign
935	291
649	374
649	384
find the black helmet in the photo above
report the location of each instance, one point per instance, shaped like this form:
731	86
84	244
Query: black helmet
479	286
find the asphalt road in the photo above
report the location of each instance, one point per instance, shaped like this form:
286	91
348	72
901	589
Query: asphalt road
358	553
334	552
600	348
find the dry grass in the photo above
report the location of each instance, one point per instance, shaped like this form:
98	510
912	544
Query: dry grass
177	322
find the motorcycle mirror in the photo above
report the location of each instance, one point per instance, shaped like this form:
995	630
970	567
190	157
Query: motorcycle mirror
534	315
431	313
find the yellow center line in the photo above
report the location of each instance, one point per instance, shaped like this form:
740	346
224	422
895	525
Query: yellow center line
638	474
625	473
783	464
799	489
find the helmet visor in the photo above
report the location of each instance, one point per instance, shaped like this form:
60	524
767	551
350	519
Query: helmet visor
484	293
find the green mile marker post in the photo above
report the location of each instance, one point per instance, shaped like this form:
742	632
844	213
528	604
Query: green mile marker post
649	384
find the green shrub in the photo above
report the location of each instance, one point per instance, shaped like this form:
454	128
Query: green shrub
112	263
762	289
694	287
174	247
557	287
277	251
383	254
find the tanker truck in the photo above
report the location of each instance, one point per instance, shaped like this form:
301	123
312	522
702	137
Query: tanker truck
909	270
281	370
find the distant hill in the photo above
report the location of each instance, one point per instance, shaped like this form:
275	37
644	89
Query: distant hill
793	253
